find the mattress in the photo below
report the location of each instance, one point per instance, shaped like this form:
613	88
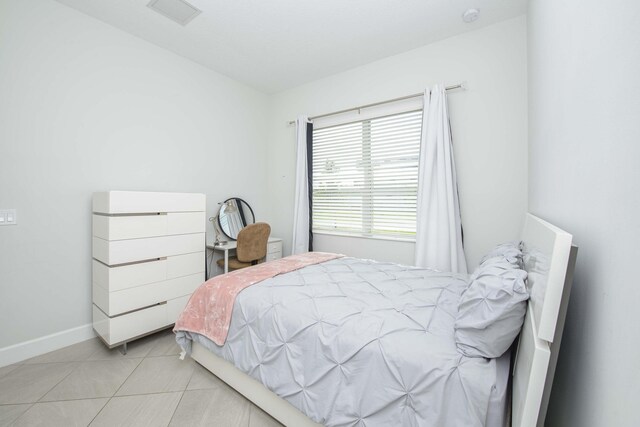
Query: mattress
358	342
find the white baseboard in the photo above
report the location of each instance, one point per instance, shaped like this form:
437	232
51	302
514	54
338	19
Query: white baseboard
25	350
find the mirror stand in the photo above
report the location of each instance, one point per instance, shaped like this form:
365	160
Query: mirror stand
216	231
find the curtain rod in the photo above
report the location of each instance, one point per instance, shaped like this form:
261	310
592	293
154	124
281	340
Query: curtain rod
462	86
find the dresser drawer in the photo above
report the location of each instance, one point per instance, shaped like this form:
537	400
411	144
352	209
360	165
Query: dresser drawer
142	273
182	265
114	303
139	226
275	247
274	251
116	252
128	276
126	202
115	330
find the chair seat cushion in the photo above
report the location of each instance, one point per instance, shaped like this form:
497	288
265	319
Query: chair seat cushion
234	264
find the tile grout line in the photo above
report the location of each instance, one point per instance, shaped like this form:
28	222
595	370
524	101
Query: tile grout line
176	408
182	395
98	413
148	394
58	383
76	364
72	371
22	415
93	398
45	393
114	393
25	362
129	376
130	395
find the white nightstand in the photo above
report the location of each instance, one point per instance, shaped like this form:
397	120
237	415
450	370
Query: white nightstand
274	250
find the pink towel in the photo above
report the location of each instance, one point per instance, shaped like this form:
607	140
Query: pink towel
208	312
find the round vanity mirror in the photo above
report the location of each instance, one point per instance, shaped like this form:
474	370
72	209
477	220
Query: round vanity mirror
233	216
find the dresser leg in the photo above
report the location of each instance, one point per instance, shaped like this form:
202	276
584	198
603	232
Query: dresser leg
123	349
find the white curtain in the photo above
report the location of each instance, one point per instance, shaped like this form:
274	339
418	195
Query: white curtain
300	242
438	228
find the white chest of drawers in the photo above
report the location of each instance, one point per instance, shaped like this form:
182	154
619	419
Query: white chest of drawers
148	258
274	249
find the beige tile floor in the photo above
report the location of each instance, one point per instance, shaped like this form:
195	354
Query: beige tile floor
88	384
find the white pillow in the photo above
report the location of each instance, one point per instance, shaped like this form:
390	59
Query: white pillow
511	251
491	310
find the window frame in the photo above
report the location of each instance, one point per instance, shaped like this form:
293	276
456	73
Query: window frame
366	231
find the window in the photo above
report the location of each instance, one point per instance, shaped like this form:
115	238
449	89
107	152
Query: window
365	176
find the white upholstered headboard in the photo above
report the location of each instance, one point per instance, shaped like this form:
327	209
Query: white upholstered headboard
549	259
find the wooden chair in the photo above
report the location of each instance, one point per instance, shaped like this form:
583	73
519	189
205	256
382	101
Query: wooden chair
252	246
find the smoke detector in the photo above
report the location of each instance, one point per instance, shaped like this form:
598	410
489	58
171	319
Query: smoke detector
177	10
470	15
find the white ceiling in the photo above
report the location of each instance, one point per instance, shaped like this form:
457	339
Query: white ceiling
274	45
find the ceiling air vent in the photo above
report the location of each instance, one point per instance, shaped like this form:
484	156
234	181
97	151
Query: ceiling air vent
176	10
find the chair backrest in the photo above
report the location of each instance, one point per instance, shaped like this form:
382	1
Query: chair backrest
252	242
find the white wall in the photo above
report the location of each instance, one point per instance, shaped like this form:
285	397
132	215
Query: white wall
584	110
86	107
489	123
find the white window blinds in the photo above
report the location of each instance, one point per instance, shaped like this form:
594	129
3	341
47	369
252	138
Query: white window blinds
365	176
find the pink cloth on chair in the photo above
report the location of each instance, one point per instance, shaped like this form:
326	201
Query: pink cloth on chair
208	312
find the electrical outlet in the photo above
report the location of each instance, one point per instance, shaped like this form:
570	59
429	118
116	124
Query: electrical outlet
8	217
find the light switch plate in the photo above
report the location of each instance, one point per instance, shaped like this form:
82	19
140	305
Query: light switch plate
8	217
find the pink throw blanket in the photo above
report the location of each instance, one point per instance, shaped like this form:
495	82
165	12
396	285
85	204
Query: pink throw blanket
208	312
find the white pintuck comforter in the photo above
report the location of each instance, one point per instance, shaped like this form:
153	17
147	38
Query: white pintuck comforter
357	342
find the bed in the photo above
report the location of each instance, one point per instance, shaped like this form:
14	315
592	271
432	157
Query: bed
358	342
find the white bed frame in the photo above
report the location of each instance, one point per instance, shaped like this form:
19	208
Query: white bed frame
549	259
